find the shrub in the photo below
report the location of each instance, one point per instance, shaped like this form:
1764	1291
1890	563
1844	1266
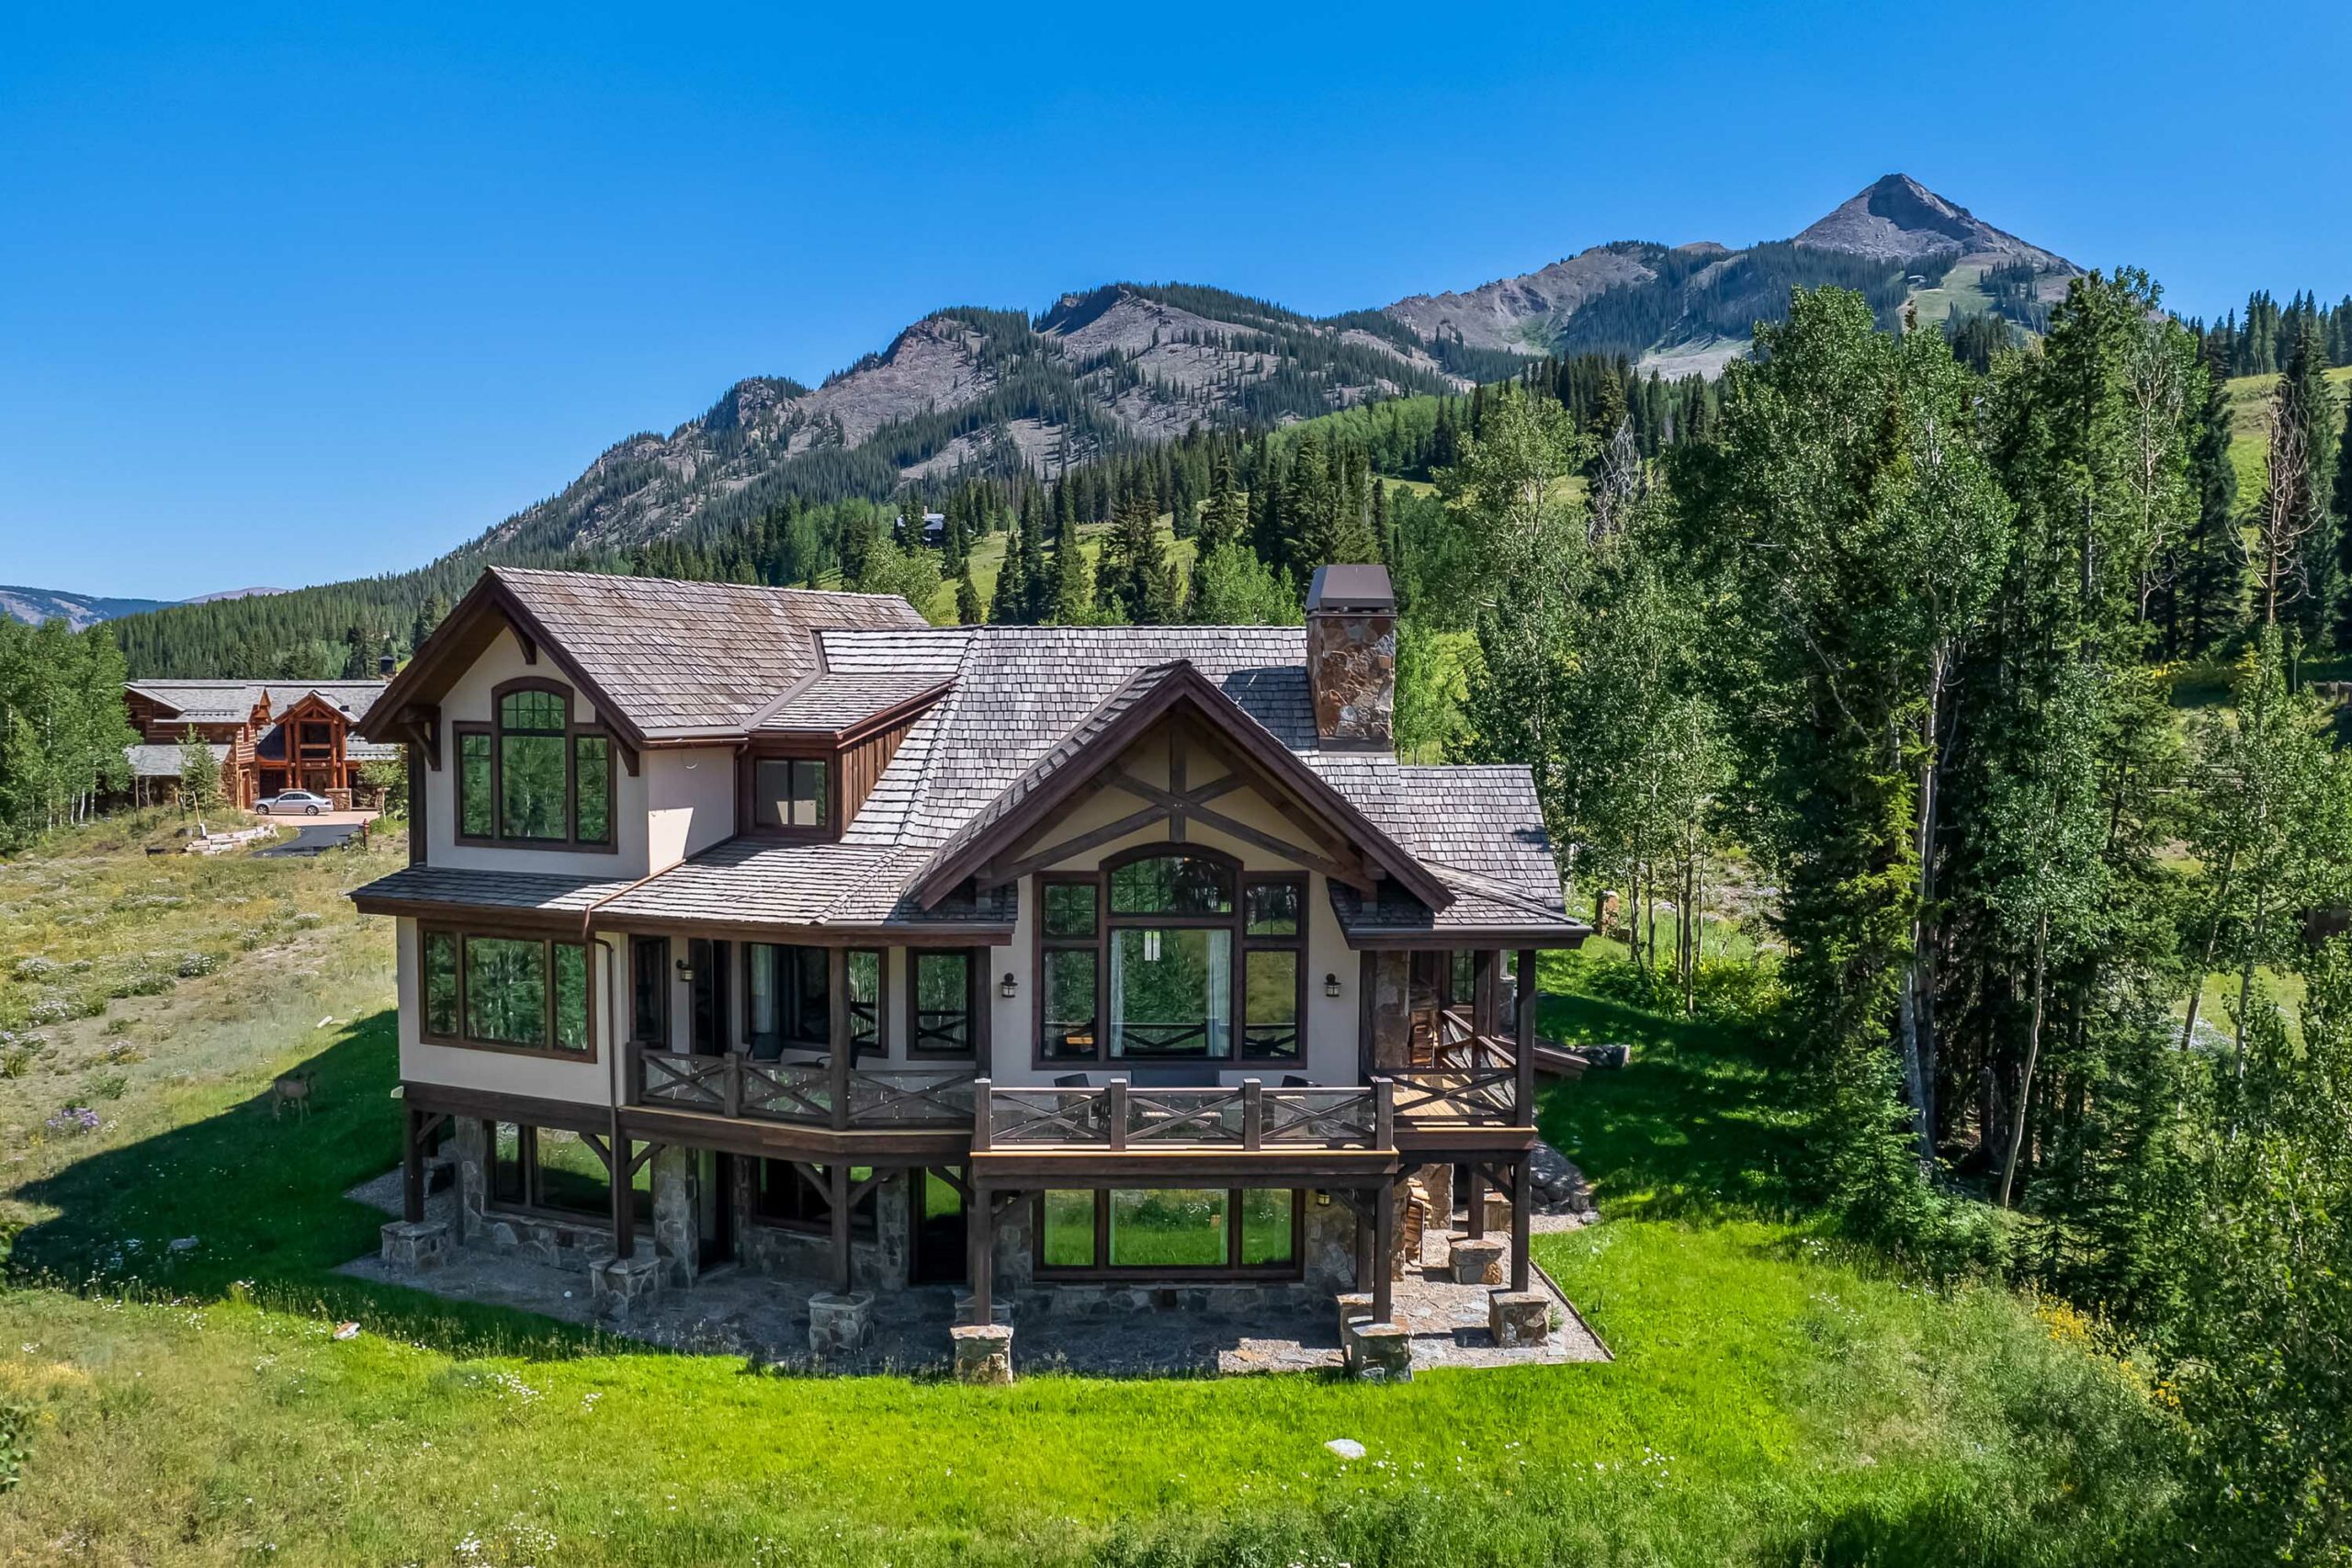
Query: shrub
15	1442
194	965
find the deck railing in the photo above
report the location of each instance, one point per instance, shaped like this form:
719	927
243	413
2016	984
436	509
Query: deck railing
1247	1116
803	1092
1473	1078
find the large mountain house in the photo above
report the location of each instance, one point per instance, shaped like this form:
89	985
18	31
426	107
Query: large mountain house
266	735
779	930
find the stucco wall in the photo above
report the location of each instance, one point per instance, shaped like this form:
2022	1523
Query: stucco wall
468	702
506	1072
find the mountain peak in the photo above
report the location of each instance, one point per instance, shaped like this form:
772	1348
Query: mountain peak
1895	218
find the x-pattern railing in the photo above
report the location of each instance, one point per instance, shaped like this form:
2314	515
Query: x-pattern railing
911	1096
1247	1116
1474	1078
788	1091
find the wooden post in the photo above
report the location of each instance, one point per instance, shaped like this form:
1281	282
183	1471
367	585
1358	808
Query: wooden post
837	1030
413	1168
617	1169
1526	1064
1523	1187
983	1114
1477	1202
1383	1224
1384	1113
837	1183
1253	1114
1117	1113
731	1082
980	1210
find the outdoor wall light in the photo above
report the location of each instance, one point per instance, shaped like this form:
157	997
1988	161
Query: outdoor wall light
685	972
1008	988
1330	985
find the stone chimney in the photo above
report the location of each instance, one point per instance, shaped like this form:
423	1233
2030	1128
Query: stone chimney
1352	657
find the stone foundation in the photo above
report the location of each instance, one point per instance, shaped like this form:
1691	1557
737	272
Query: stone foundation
419	1243
1476	1262
619	1284
1380	1352
1355	1307
983	1353
839	1325
1498	1213
1519	1318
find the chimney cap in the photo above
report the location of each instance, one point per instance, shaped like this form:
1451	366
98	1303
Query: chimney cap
1350	587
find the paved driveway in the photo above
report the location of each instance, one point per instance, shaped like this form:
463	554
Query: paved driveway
324	831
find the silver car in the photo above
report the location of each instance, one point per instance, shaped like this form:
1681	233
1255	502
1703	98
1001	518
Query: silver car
292	801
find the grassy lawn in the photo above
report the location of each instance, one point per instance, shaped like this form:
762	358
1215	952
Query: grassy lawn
1775	1399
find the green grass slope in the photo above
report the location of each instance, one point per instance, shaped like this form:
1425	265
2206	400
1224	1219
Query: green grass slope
1775	1399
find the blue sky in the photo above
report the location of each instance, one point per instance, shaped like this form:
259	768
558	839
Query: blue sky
295	294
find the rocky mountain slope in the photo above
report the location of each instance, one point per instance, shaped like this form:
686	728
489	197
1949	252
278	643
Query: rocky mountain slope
969	391
1688	308
35	605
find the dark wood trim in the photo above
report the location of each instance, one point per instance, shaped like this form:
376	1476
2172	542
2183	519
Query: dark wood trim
416	802
1105	927
1025	1167
571	736
549	941
747	762
566	921
1231	1270
976	1000
496	1105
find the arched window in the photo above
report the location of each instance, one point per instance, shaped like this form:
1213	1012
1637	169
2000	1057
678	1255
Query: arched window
531	777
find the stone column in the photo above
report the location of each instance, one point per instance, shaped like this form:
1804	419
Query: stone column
677	1228
1382	1351
840	1322
471	1143
1519	1318
983	1352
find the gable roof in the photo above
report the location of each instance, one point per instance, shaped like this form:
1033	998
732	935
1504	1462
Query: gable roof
660	660
233	702
1148	696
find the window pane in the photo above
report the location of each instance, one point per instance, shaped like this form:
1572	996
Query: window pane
1171	993
1461	978
942	1020
771	792
1272	908
762	999
571	997
532	710
1069	1230
570	1176
474	819
1069	909
809	1018
507	1163
865	999
1265	1225
1173	1228
649	1011
1070	1001
807	793
592	767
1271	1001
440	983
530	783
506	991
1171	885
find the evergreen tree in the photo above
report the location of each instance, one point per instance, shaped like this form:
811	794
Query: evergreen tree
2210	577
1009	605
1224	518
967	596
199	774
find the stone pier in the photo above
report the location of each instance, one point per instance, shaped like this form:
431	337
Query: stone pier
983	1352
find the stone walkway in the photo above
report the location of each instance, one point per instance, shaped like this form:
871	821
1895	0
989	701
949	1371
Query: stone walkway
763	1319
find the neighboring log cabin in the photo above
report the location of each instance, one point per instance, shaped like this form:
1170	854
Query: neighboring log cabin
265	736
779	930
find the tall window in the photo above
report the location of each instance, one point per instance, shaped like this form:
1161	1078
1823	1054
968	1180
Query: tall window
866	1027
788	793
788	999
531	777
1168	1230
649	966
523	993
1172	954
531	734
939	1011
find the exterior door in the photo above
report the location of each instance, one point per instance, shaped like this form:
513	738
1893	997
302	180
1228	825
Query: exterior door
715	1203
938	1256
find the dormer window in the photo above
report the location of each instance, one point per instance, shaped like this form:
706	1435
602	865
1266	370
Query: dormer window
789	792
532	779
